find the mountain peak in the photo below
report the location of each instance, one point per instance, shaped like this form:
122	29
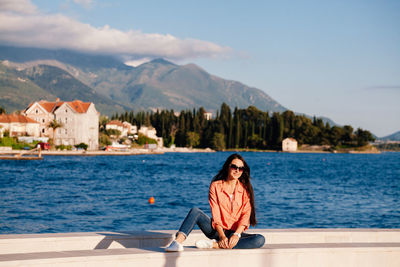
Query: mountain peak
105	80
161	61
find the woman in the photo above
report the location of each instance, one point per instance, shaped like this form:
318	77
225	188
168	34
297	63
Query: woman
231	200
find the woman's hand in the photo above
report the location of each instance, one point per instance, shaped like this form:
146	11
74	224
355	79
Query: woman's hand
233	241
223	242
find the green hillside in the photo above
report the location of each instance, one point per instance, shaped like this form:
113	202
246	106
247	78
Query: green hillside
19	88
18	91
392	137
63	85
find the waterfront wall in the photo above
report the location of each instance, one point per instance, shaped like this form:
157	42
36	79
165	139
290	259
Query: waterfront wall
284	247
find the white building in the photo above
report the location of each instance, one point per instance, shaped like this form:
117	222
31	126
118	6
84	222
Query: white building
80	121
208	115
148	131
131	129
124	127
151	133
18	125
116	125
289	145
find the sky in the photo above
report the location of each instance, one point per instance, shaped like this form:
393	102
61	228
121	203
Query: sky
338	59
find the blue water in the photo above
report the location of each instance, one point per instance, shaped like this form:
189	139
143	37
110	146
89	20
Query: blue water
110	193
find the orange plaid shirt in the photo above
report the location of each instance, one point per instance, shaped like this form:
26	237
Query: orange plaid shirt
229	216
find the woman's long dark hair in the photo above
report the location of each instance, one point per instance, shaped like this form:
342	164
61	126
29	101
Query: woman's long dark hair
244	179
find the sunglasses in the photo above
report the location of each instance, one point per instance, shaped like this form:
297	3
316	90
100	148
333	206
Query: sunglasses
237	168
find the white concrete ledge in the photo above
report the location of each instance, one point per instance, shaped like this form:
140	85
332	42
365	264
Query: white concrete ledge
27	243
284	247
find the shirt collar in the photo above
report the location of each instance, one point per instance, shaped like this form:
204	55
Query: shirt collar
239	187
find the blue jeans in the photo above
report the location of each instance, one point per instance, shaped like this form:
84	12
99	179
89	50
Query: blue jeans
197	216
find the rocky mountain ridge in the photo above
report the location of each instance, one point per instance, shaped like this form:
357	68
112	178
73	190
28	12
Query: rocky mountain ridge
114	86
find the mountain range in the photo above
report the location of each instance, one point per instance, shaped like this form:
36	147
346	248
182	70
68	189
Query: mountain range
31	74
393	137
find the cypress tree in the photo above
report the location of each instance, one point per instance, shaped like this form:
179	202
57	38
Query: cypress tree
245	135
237	129
229	143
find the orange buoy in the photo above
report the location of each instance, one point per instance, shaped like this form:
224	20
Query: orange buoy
151	200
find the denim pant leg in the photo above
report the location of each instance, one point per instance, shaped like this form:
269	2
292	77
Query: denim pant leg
250	241
197	216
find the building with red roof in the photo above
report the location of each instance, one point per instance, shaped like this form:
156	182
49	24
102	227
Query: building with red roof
79	121
18	125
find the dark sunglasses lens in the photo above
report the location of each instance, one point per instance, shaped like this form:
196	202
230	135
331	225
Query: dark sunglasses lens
234	167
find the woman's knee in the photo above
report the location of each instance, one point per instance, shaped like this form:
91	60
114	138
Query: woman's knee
195	210
259	241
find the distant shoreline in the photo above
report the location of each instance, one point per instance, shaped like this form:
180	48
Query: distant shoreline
309	151
138	151
159	151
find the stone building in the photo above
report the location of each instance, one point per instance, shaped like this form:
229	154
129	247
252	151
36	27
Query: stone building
18	125
151	132
124	127
116	125
79	120
289	145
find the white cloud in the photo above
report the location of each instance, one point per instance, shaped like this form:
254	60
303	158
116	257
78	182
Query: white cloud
137	62
59	31
18	6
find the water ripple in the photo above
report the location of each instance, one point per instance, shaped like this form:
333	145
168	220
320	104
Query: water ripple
64	194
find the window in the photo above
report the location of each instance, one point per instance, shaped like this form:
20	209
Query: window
37	111
43	130
66	119
43	120
66	110
65	131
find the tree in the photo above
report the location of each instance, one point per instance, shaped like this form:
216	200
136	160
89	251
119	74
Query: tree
54	124
114	133
237	129
255	141
246	134
347	136
180	137
277	130
335	135
103	120
192	139
267	129
104	139
2	110
243	128
363	137
218	141
82	146
230	133
142	140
